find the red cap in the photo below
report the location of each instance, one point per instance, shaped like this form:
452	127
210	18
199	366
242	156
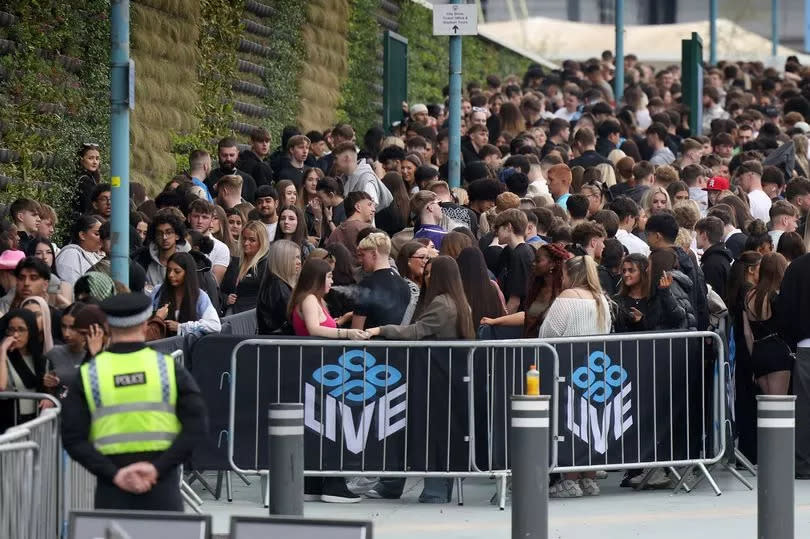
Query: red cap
717	183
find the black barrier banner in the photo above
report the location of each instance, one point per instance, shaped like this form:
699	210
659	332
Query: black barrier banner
399	409
370	408
210	364
621	402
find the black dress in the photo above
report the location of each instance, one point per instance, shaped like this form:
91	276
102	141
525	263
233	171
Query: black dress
769	353
246	290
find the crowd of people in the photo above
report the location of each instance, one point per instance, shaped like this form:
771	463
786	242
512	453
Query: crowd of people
575	215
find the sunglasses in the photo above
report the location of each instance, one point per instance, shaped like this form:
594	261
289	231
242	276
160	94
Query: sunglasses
89	145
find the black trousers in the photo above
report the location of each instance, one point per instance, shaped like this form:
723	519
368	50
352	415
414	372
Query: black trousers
164	496
801	388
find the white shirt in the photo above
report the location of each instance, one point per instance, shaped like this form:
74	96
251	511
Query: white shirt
760	205
220	255
563	113
271	230
775	235
632	243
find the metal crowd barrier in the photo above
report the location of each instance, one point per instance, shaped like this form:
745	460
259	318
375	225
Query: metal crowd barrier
383	441
19	475
31	473
619	401
666	383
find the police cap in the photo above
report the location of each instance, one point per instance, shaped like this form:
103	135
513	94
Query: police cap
127	310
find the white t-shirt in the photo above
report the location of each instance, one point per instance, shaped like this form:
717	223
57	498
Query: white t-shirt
634	244
220	255
775	235
271	230
760	205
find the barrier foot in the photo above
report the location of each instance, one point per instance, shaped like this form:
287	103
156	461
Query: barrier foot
460	490
188	490
709	478
265	483
733	471
228	486
243	478
502	492
195	475
218	492
681	484
742	459
190	502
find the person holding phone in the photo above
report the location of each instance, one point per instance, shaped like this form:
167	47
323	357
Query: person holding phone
638	306
85	334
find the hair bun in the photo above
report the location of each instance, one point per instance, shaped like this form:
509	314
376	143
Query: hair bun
757	228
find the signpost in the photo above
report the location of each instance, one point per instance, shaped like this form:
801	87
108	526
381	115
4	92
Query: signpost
455	20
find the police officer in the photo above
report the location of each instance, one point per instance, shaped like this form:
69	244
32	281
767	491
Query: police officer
133	417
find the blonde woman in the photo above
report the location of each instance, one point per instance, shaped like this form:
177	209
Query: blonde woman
656	199
240	286
580	309
608	171
309	203
283	267
800	143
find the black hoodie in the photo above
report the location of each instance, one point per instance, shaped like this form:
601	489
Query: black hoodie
253	165
793	306
207	281
716	265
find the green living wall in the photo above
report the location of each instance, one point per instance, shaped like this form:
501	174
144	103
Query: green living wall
205	69
54	95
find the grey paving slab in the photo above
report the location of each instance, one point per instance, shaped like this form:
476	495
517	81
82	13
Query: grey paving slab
616	513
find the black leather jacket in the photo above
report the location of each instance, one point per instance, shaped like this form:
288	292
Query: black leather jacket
271	306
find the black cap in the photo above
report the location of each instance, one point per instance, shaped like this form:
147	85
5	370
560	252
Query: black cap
266	191
127	310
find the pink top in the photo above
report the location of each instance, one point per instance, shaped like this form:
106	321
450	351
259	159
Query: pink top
300	327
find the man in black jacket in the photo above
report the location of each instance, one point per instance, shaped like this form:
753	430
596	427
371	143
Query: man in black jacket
585	146
228	153
716	260
662	229
253	161
793	313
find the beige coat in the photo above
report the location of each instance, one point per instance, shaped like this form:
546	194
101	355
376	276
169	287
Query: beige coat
437	321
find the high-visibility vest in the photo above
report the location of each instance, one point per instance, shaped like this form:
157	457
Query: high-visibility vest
132	400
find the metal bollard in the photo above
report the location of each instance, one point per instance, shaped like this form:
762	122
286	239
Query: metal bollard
529	460
775	452
286	435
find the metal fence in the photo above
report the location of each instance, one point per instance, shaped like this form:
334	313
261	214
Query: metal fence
620	401
372	408
45	483
620	392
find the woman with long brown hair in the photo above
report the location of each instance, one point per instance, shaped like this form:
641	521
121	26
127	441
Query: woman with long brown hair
543	290
307	308
512	120
292	226
395	217
771	357
446	313
310	203
483	294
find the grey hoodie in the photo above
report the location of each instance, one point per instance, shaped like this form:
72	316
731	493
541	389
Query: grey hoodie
156	272
364	179
72	262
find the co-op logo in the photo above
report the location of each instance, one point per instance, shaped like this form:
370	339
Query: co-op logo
603	401
354	391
